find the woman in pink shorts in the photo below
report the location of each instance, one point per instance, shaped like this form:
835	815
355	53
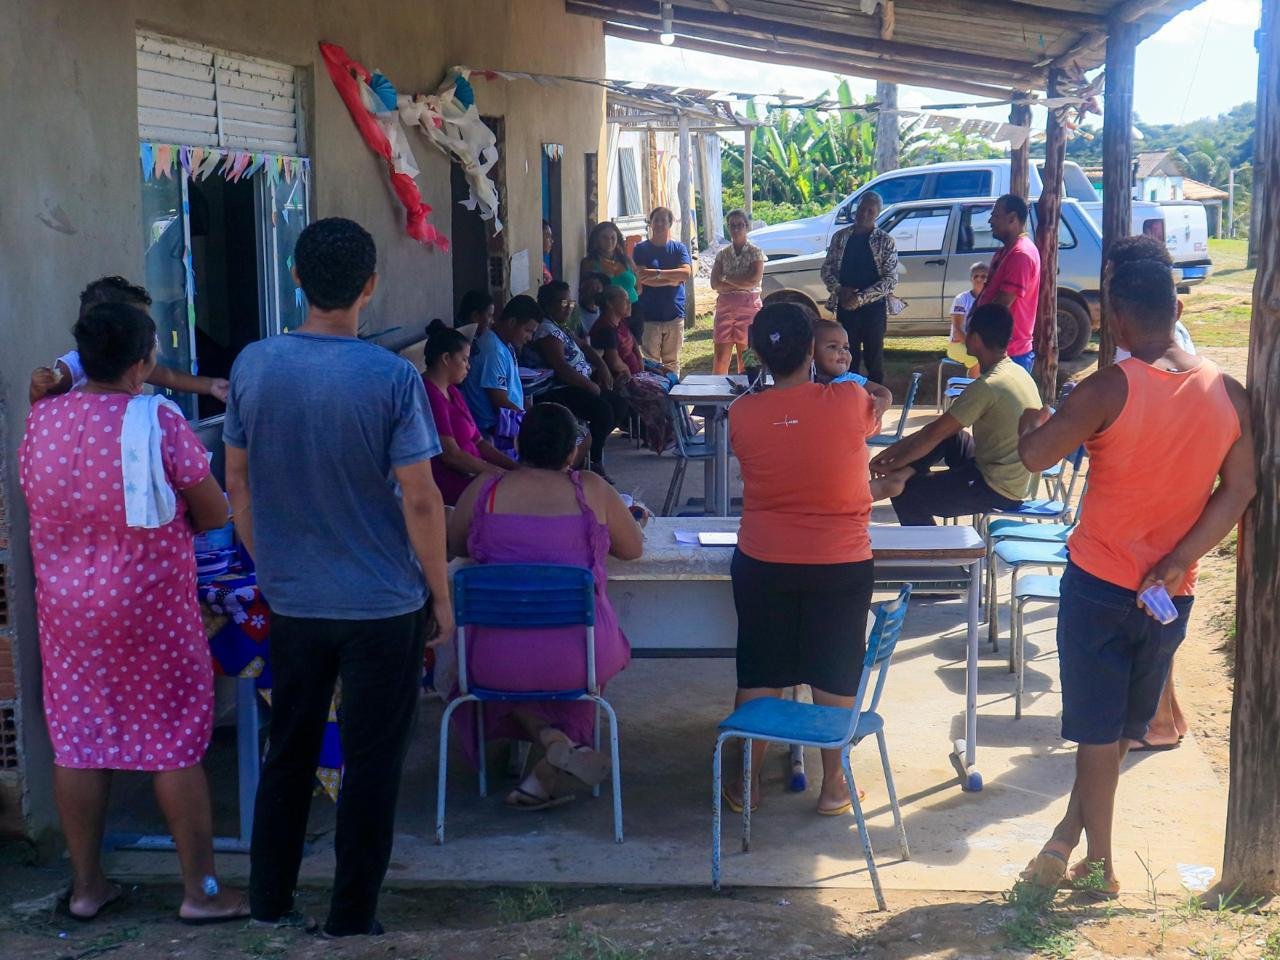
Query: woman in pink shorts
736	277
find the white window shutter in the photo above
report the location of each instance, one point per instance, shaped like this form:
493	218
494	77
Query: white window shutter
193	95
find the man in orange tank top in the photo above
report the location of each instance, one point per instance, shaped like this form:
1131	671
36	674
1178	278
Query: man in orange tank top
1171	471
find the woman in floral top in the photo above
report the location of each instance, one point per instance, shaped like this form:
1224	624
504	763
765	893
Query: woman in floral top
736	277
861	274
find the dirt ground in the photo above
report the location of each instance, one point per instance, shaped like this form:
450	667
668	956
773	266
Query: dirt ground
538	923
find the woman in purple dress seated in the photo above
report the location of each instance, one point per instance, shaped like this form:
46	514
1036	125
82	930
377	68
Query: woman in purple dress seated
545	513
464	452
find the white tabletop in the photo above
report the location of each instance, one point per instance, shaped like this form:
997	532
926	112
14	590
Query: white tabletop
667	559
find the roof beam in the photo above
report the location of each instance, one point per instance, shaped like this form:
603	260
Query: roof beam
873	69
641	12
1006	11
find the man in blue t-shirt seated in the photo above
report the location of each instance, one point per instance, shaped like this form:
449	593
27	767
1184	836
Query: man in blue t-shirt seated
329	443
493	382
664	266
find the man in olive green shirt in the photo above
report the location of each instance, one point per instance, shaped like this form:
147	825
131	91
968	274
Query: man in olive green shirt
983	471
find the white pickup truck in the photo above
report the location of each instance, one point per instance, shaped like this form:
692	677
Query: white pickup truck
1181	225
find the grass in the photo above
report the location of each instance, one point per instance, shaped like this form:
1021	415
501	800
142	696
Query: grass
580	945
1034	925
524	906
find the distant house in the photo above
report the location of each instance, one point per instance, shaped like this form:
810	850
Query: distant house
1212	198
1158	176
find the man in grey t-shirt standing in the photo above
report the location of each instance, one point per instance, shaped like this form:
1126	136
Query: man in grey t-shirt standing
329	441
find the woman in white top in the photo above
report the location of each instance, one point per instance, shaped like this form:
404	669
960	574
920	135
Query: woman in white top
736	277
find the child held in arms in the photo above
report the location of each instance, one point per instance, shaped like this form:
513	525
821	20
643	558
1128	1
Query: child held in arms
66	373
832	357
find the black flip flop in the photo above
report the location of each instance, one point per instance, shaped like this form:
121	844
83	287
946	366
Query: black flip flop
1144	747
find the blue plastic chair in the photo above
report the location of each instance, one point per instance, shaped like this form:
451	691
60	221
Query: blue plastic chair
688	447
943	363
828	728
525	596
888	439
955	387
1037	587
1018	555
1056	512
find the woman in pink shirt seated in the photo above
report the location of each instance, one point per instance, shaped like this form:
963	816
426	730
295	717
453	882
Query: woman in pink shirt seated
466	453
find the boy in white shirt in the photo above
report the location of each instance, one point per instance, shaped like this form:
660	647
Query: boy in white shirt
961	307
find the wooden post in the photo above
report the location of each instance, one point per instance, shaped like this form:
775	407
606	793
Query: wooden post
1251	859
685	193
1230	230
749	134
1117	161
1020	157
1261	126
1050	213
888	132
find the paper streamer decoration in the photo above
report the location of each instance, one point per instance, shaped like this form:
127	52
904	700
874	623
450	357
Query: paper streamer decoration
449	120
351	79
147	157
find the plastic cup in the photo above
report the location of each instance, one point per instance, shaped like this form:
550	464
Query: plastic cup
1157	600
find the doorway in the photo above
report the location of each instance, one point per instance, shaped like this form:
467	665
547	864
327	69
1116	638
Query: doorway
478	251
553	208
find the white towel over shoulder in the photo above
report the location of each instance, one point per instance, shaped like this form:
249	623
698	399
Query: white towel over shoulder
149	500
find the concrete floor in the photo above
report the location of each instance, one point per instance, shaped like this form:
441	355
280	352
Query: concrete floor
1169	812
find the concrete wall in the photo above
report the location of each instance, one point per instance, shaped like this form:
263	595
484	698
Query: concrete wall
70	185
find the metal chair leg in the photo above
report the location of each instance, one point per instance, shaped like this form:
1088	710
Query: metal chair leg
484	765
1013	593
1019	643
746	796
615	763
862	830
716	803
673	489
595	791
893	796
442	771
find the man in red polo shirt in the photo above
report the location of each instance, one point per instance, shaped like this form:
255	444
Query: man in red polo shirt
1015	276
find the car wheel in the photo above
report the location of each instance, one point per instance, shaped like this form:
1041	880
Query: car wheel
1075	327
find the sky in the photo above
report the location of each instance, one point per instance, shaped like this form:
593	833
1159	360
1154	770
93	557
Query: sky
1200	64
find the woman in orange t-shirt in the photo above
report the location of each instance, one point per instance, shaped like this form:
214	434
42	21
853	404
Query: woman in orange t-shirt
802	572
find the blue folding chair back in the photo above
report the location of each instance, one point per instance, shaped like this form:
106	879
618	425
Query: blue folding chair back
887	439
827	728
525	596
688	447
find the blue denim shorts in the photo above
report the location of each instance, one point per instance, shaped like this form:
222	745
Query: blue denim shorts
1114	658
1027	361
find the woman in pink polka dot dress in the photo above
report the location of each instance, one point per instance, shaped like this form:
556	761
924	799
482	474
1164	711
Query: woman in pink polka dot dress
128	680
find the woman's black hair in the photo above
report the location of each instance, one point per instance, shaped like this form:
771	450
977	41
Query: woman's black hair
521	308
473	301
619	252
442	340
782	334
547	437
112	337
549	293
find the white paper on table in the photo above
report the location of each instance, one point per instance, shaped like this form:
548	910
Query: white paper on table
689	537
520	272
718	538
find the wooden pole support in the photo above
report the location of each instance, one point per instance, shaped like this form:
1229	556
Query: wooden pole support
1117	161
1050	214
1251	858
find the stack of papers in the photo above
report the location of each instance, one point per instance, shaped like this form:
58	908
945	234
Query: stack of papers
707	538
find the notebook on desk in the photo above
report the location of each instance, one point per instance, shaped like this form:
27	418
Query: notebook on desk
711	538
